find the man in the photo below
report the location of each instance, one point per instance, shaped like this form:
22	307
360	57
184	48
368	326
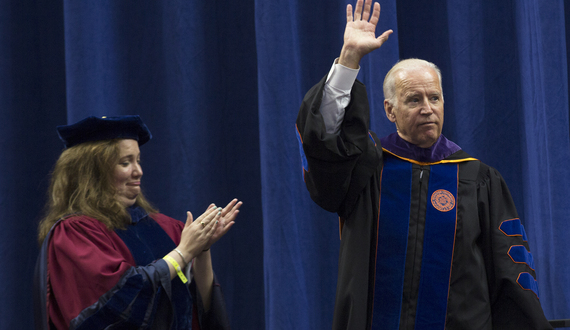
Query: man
430	237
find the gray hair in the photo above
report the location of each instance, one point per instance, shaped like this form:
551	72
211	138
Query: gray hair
389	85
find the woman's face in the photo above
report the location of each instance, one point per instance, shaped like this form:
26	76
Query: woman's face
127	172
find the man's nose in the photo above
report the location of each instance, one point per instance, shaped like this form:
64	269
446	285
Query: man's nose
426	107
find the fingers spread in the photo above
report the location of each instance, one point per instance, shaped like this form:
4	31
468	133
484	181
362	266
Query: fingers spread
385	36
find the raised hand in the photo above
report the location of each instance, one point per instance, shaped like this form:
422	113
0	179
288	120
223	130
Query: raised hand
360	33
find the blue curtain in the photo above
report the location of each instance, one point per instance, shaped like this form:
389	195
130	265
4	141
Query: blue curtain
219	85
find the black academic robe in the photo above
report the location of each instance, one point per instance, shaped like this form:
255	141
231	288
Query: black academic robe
490	281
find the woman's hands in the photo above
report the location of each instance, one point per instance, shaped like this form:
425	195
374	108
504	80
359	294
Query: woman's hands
228	215
198	235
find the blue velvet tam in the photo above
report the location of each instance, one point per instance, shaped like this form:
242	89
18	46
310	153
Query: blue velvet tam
105	128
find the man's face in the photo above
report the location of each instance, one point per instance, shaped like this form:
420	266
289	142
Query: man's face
418	114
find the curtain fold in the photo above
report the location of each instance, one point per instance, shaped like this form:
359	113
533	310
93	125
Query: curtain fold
545	145
219	85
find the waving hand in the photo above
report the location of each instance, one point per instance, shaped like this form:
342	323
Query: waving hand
360	33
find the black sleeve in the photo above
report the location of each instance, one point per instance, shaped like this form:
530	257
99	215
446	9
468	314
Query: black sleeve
513	289
216	318
336	165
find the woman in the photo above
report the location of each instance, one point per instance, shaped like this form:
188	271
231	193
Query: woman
112	260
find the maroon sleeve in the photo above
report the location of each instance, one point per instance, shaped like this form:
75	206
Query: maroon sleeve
85	260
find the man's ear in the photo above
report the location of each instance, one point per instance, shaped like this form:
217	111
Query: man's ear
389	108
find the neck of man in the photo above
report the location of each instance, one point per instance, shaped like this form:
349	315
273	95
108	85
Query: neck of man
439	150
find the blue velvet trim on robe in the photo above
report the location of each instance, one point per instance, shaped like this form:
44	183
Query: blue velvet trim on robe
371	138
527	282
304	162
147	242
41	285
513	227
112	311
392	243
520	254
439	240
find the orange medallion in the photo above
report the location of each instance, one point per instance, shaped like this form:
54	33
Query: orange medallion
443	200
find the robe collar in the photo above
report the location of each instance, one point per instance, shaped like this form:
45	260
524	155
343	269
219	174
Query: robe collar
137	213
440	150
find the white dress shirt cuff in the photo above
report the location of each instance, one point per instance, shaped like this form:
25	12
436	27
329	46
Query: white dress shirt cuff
341	77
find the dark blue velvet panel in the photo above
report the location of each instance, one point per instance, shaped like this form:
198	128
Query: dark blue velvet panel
439	241
393	226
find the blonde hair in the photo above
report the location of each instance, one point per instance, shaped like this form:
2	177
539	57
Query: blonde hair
82	183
